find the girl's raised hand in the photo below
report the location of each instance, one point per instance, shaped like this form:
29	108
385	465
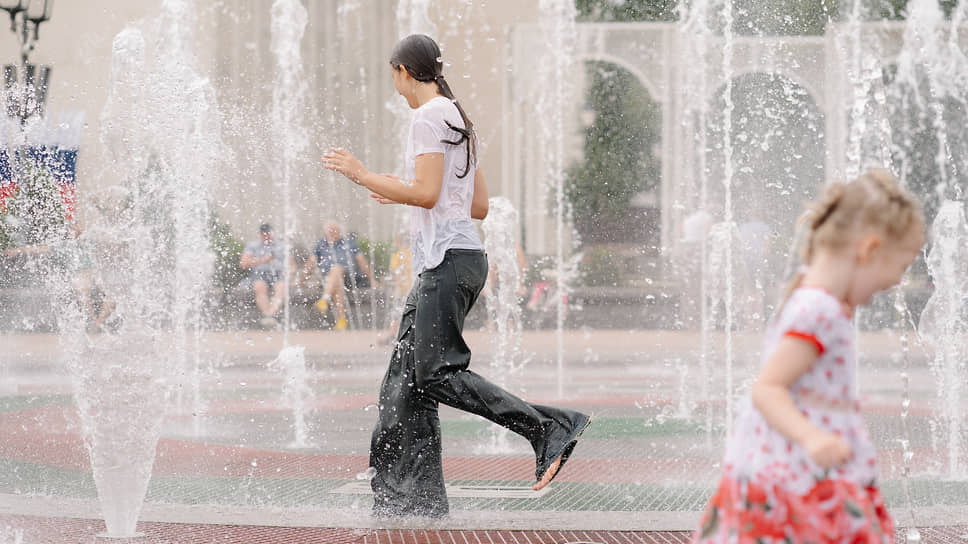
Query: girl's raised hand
827	449
342	161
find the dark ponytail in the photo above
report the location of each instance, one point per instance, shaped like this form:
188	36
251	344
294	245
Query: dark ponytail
420	55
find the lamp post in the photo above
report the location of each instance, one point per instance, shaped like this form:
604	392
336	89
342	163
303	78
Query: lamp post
28	98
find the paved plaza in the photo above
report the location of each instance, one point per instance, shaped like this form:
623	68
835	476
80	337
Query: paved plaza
227	469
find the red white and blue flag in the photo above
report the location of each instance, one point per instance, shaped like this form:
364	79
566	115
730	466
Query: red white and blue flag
52	150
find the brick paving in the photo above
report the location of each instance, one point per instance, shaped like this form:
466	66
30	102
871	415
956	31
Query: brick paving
45	530
235	451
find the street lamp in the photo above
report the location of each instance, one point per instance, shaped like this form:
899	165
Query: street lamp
28	99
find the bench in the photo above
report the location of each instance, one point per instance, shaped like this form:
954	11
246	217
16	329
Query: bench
366	309
641	307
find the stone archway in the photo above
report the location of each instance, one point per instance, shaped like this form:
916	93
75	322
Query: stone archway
653	52
777	135
614	185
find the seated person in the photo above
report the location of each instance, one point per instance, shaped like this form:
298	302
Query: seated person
342	266
263	259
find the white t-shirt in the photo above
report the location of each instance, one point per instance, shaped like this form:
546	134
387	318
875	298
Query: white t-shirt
448	225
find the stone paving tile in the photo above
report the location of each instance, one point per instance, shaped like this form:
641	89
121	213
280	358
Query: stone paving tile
634	458
524	537
41	530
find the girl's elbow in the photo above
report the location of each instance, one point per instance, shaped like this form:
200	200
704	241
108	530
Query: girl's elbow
479	212
426	202
430	201
758	394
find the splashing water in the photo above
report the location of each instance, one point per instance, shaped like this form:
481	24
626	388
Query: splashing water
943	323
557	18
10	535
367	474
504	307
503	303
289	108
160	127
296	392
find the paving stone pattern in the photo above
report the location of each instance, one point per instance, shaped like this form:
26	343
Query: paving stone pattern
637	456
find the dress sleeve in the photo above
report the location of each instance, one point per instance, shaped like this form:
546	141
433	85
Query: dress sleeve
810	317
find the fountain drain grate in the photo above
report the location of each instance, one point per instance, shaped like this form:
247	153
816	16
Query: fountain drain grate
458	491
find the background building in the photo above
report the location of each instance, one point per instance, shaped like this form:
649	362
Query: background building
351	101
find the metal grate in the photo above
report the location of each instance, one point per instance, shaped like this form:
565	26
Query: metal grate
455	491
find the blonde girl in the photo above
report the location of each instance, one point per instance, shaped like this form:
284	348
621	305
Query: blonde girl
800	466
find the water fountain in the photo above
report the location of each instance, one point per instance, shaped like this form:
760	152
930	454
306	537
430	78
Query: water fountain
161	129
154	360
501	246
289	107
503	304
10	535
557	20
943	326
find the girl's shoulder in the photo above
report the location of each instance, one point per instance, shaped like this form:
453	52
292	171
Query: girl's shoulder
809	303
814	295
438	110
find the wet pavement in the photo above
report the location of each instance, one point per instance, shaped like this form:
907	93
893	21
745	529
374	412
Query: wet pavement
227	469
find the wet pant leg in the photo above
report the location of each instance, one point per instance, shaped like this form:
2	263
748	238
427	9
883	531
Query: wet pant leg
429	366
405	447
445	296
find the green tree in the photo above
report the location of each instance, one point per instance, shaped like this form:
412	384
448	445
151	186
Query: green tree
619	159
610	11
228	250
35	214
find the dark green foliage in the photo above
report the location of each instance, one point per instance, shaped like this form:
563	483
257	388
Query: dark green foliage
35	214
227	249
377	253
896	10
915	148
754	17
620	155
628	11
783	17
7	240
600	267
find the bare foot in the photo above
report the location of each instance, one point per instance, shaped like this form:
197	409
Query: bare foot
548	475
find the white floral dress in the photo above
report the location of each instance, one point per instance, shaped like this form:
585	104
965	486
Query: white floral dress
771	491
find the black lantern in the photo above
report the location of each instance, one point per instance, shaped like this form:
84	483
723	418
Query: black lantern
38	11
14	7
26	99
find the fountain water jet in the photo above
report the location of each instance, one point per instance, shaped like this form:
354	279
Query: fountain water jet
557	21
160	126
943	324
503	304
289	105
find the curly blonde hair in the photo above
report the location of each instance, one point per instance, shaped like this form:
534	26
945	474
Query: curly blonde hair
873	199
